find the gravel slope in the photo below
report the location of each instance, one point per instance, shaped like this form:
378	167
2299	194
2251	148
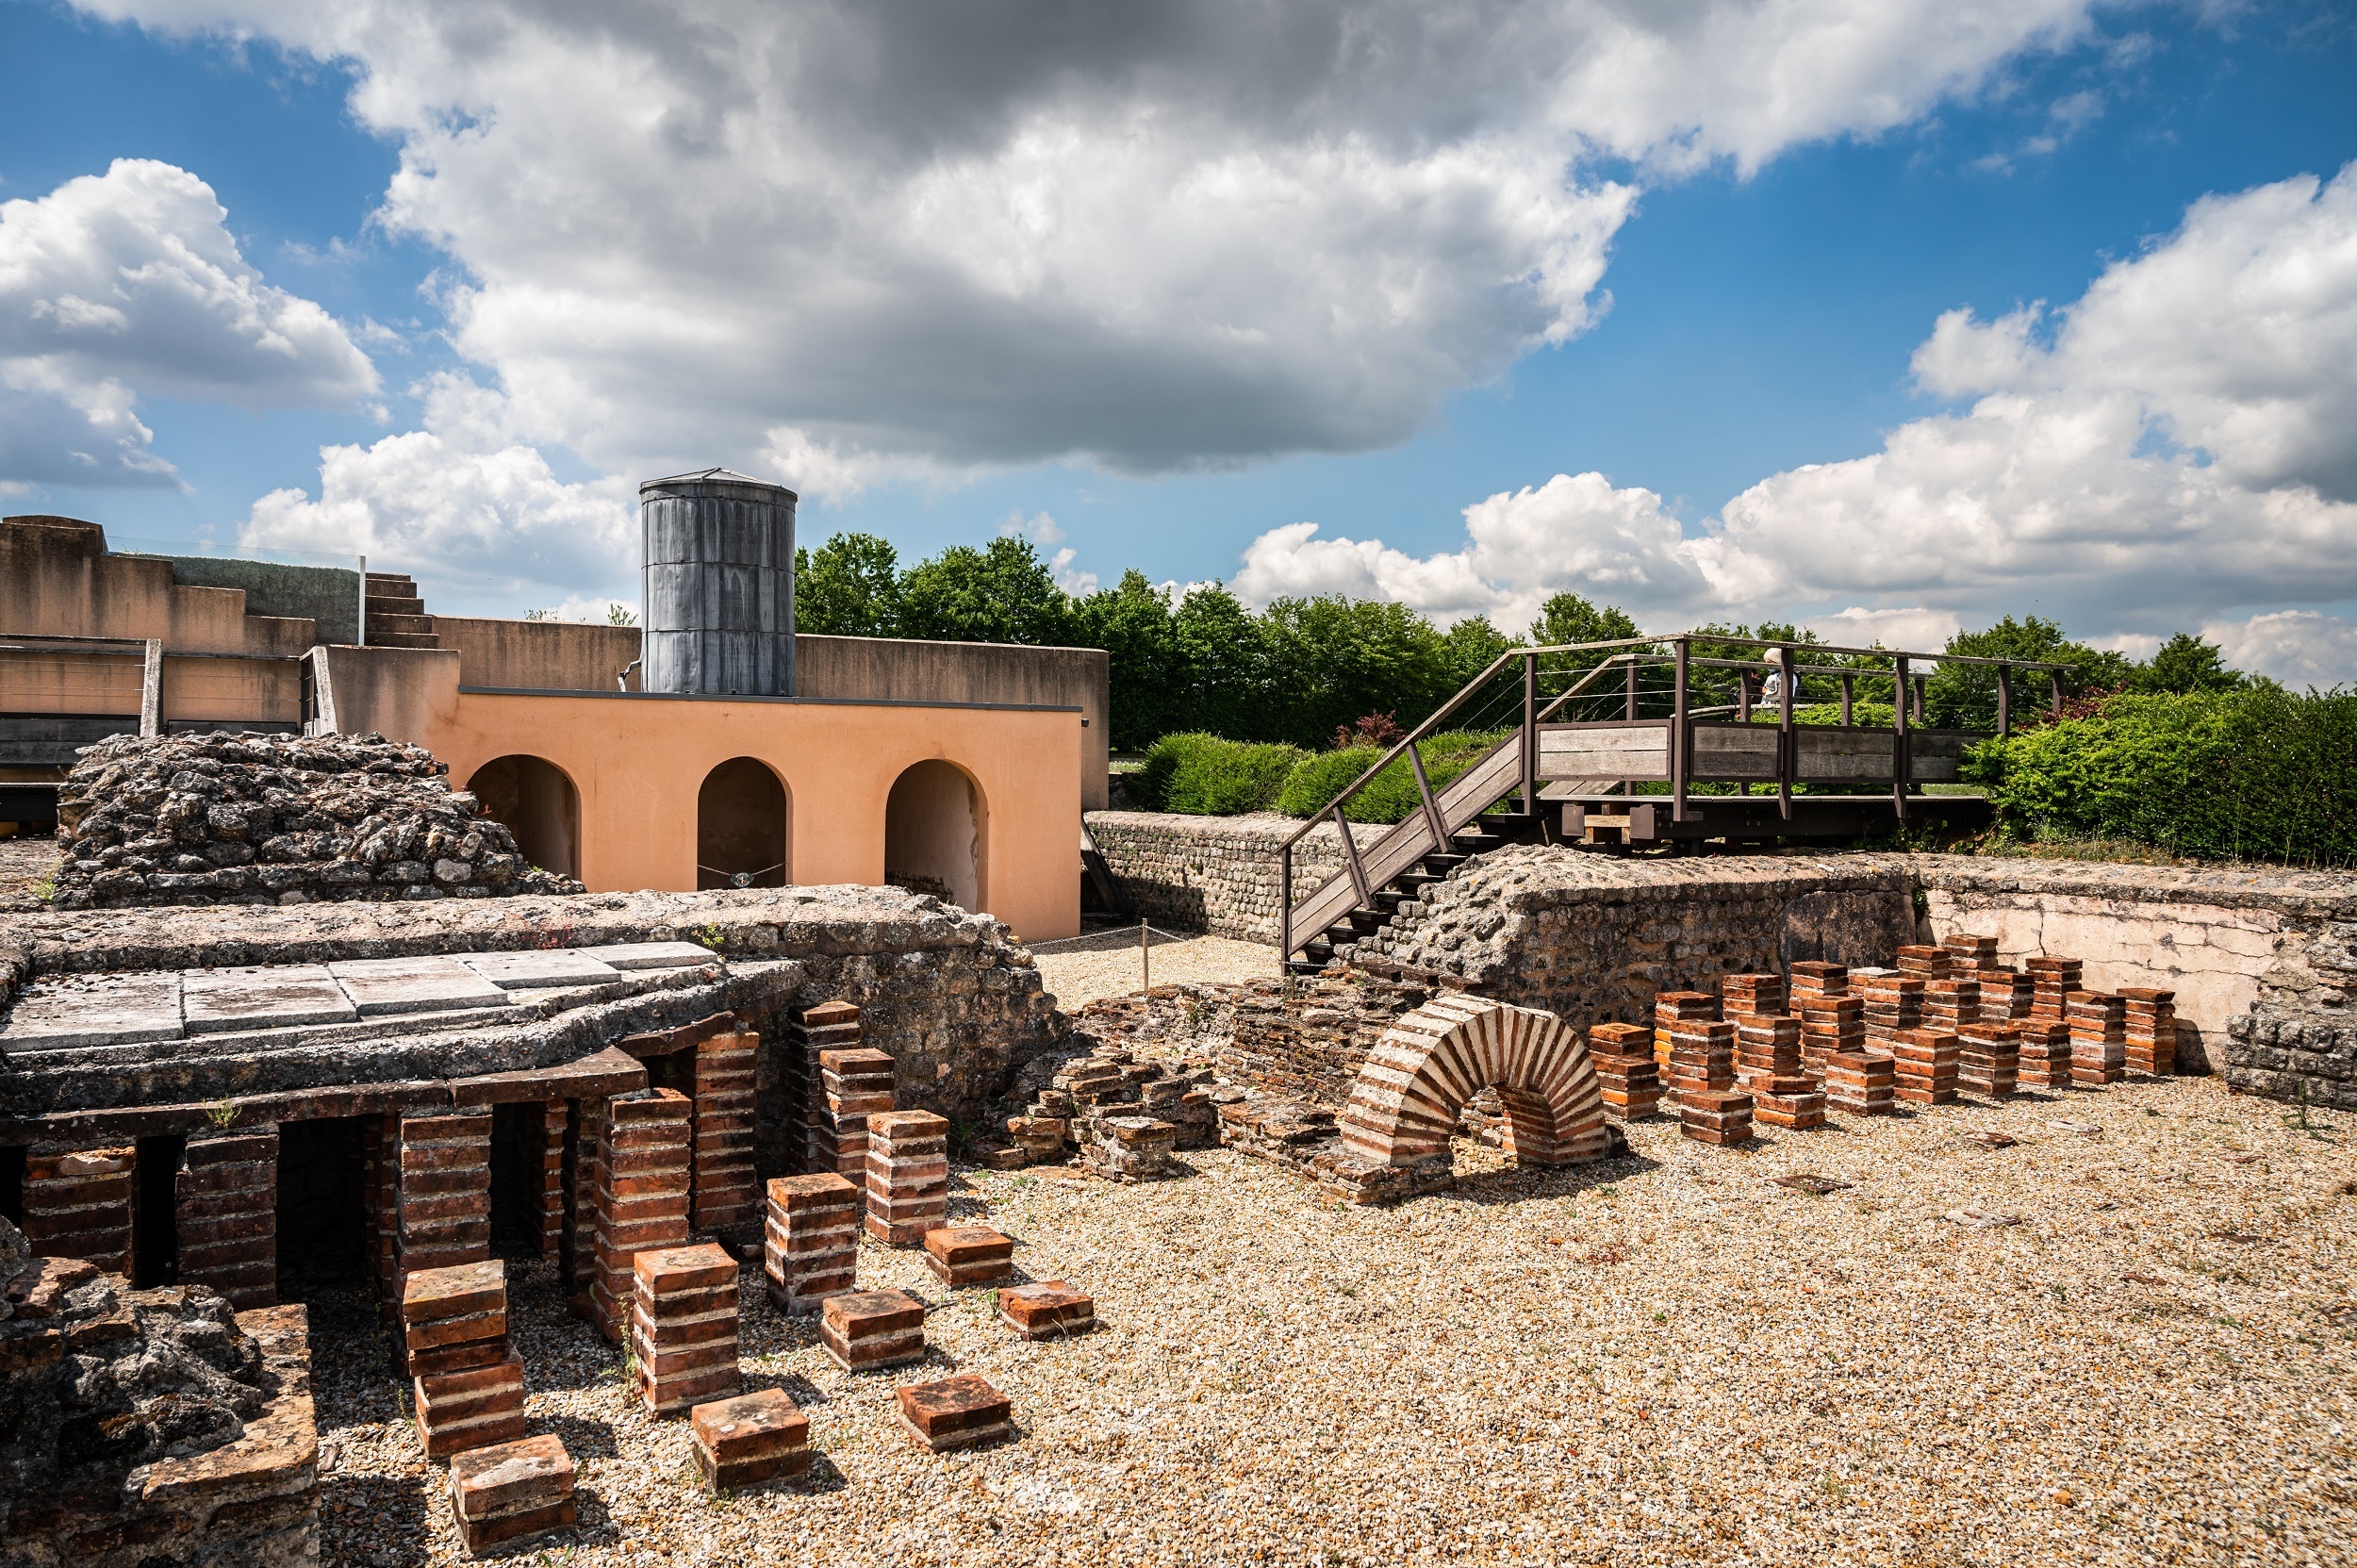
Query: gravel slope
1667	1357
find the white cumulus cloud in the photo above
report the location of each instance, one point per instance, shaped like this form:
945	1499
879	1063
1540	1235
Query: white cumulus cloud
129	284
2176	448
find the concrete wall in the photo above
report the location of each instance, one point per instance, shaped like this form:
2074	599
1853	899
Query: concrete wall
327	597
58	580
538	655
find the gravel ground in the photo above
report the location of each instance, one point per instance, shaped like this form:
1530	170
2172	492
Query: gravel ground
2128	1338
1081	969
25	861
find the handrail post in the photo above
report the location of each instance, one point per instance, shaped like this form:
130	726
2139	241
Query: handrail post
2053	680
1902	758
1632	686
2004	701
1284	908
1786	763
1351	855
1680	764
1849	692
1432	807
1530	747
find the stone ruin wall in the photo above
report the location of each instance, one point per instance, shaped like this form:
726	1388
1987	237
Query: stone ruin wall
2264	961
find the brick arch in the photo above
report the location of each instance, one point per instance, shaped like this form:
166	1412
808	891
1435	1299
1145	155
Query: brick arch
1403	1109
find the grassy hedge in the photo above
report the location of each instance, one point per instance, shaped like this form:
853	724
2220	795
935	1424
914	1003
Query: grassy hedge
1204	775
1391	794
2257	774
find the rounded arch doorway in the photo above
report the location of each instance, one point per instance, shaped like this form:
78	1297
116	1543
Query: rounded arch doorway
741	823
935	832
534	800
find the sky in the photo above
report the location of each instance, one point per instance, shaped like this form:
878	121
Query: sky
1887	316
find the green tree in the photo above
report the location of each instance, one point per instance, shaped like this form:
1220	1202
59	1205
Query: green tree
1567	617
848	587
1468	646
1341	659
2186	665
1222	669
1001	593
1133	624
1964	697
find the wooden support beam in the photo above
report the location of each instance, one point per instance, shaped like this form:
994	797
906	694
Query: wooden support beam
1350	856
1681	737
1432	807
1902	761
1531	748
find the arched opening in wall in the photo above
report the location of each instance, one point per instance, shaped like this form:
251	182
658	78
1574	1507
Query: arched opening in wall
935	833
538	804
1404	1107
741	827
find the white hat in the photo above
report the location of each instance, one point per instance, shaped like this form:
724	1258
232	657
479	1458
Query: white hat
1774	655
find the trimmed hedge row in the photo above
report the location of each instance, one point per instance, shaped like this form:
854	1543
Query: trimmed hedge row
2258	774
1204	775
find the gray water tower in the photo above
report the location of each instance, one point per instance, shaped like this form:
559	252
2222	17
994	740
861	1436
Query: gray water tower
718	584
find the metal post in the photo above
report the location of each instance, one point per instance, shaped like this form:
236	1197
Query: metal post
1901	764
1785	761
363	638
1915	695
1530	743
1146	958
1285	909
1679	762
2004	699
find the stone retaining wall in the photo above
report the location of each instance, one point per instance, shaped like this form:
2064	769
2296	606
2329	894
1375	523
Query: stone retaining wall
1215	874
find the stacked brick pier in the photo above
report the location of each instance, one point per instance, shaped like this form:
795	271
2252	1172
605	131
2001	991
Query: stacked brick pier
1754	996
442	1191
725	1194
2098	1023
1923	1066
683	1326
642	1186
908	1176
1622	1057
1768	1067
468	1381
2152	1024
810	1247
225	1208
1988	1060
78	1204
1894	1002
841	1084
1861	1083
1702	1067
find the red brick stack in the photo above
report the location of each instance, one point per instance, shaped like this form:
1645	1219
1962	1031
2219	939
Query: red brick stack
444	1190
683	1326
2151	1021
1829	1025
642	1178
1988	1060
552	1174
1814	979
725	1196
468	1381
1702	1067
830	1026
908	1176
1923	1065
964	1255
867	1330
1950	1004
1977	954
964	1411
1622	1057
2007	995
1924	963
1753	996
511	1490
2044	1061
588	1137
1894	1002
2052	981
1861	1083
810	1249
2099	1038
753	1438
1049	1309
78	1204
226	1205
1768	1067
380	1199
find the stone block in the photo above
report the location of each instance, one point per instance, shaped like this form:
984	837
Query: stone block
964	1411
750	1439
386	987
282	995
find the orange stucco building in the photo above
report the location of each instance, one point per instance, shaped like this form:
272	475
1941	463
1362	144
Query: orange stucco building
955	769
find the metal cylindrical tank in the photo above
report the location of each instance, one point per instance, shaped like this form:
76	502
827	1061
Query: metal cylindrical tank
718	579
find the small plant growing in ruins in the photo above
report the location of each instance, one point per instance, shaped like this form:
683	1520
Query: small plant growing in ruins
711	937
222	1113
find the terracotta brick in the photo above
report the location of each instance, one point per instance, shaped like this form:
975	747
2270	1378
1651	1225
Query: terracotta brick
683	1326
1988	1060
810	1245
867	1330
511	1490
1047	1310
751	1438
908	1176
474	1409
1861	1083
726	1190
642	1177
2044	1059
226	1213
78	1204
964	1411
964	1255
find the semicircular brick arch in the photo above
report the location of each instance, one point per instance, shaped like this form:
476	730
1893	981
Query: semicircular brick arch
1427	1064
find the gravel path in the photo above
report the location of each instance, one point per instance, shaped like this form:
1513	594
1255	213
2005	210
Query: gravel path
1082	969
2133	1344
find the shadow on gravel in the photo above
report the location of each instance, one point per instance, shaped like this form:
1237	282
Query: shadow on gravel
1514	1184
374	1520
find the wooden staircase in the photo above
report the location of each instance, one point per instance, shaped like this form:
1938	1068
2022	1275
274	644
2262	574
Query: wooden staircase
397	616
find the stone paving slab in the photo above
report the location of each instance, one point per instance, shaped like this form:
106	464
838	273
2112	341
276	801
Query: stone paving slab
286	996
652	955
522	971
106	1010
378	987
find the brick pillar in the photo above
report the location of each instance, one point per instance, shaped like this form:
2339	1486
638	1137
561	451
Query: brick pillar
2098	1022
584	1137
1767	1065
811	1248
1988	1059
227	1210
1622	1057
380	1199
683	1326
443	1209
1923	1066
552	1124
727	1195
78	1204
642	1184
2152	1029
810	1030
1894	1003
468	1382
908	1175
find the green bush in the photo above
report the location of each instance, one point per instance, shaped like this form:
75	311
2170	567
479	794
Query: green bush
2260	773
1205	776
1316	781
1864	716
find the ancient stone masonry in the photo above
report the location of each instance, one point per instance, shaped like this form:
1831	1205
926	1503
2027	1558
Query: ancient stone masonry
683	1326
642	1180
810	1248
227	1210
1126	1117
78	1204
726	1190
249	818
1215	874
140	1417
1404	1108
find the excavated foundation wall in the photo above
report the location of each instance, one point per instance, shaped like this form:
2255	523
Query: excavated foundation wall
2264	961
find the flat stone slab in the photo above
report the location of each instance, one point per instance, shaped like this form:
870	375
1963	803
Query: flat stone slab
651	955
525	971
382	987
284	996
96	1010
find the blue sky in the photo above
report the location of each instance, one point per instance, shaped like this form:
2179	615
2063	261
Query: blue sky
1764	291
